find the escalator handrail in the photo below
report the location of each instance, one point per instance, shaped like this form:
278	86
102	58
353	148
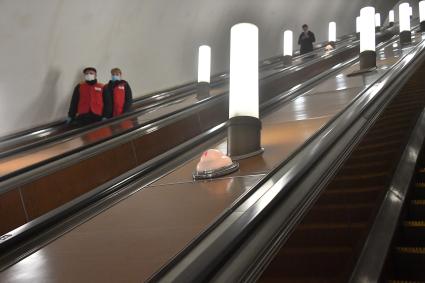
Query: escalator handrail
198	265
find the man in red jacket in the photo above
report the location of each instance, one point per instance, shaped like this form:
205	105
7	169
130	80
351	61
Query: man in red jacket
118	96
87	104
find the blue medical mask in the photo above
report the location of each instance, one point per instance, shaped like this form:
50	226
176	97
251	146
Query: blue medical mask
116	78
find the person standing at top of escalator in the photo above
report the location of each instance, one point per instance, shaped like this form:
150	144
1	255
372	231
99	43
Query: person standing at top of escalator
87	103
306	40
118	95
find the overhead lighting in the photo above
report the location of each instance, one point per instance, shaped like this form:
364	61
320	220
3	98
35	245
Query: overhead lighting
332	33
405	34
288	42
378	21
244	126
391	18
358	25
422	14
204	71
367	38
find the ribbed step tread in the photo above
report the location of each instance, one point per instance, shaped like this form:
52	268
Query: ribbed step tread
411	250
404	281
414	224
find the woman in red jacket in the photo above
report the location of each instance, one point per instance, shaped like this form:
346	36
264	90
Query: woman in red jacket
118	96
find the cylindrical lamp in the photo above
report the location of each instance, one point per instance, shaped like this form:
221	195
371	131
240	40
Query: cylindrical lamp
204	70
358	26
244	126
422	14
391	18
410	11
367	38
332	33
404	19
288	41
377	22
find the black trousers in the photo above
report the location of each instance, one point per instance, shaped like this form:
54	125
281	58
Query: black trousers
86	119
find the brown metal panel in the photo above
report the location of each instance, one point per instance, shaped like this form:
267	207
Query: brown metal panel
214	115
133	239
54	190
151	145
12	212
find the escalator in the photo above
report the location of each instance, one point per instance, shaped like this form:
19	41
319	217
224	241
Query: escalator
166	225
23	140
35	174
314	218
406	260
325	245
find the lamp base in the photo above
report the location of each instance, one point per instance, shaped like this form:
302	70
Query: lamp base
216	173
287	60
422	26
367	63
405	37
391	24
377	29
332	43
203	90
244	137
367	60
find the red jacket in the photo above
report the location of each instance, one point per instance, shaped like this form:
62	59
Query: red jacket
87	98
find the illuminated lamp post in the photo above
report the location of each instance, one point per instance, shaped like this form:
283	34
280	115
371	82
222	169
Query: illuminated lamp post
358	27
332	34
204	70
244	126
405	34
422	14
367	38
391	18
377	22
288	38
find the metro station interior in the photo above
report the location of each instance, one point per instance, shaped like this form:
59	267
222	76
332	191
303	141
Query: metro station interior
212	141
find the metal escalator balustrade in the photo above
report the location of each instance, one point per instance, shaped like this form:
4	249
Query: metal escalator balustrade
41	180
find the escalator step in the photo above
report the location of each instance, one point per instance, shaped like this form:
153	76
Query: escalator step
354	196
339	213
413	233
419	192
404	281
417	209
295	261
410	262
315	235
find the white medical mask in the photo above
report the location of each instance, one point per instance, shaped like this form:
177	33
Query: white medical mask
90	77
116	78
